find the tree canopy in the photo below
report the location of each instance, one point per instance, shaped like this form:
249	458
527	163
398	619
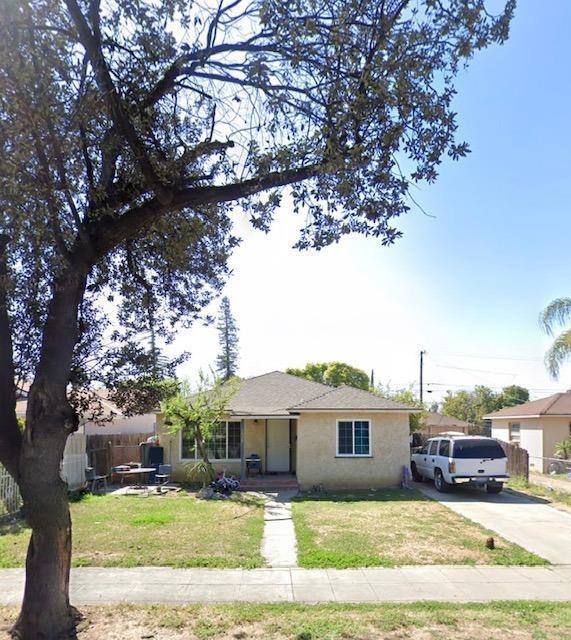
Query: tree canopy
227	360
471	406
128	127
557	314
333	373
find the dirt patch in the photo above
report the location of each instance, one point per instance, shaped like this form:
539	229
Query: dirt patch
516	621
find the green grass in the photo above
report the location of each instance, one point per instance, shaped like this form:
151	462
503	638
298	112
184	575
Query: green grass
418	621
171	530
519	483
393	527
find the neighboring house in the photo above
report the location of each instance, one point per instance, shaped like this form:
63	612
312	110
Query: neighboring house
433	423
536	426
337	437
117	422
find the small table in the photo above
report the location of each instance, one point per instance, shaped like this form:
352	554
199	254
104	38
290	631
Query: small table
140	471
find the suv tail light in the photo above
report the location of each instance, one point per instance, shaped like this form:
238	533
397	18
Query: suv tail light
452	467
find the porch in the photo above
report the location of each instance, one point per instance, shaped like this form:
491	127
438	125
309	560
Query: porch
273	442
269	482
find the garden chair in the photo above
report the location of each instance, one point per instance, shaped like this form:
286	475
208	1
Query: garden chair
254	463
163	476
95	483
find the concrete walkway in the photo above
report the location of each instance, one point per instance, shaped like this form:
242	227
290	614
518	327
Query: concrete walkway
279	546
527	521
147	585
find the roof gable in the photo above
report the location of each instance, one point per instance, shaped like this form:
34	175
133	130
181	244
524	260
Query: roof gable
558	404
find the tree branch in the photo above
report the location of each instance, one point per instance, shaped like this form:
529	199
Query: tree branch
115	106
108	233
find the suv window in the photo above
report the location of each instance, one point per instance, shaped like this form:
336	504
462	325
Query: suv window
477	448
424	449
433	445
444	449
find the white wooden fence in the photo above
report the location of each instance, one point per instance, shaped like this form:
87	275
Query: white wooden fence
72	471
74	461
10	499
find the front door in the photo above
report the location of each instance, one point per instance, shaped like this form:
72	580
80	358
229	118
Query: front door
278	446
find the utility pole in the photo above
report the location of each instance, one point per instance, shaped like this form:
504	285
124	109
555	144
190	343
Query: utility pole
421	367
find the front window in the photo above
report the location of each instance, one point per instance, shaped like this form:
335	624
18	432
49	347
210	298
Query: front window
223	443
353	438
515	432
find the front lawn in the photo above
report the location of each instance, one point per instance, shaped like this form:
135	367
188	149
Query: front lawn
419	621
556	496
393	527
171	530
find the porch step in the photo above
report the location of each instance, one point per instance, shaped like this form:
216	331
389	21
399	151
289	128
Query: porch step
268	482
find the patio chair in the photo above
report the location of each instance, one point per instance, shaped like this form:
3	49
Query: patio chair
163	475
95	483
254	463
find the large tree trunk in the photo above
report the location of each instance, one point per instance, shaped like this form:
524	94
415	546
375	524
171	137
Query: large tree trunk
46	613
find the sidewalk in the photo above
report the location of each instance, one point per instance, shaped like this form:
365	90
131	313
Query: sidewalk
153	585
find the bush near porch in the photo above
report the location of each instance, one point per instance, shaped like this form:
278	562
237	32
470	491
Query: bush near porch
170	530
393	527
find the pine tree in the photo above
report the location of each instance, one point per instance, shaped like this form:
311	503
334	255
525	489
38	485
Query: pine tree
227	360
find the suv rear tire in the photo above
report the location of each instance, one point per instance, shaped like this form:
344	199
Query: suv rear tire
494	488
441	485
415	475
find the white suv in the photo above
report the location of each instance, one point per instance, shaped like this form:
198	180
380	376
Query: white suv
450	460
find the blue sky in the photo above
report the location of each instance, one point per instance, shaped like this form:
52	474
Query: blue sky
468	283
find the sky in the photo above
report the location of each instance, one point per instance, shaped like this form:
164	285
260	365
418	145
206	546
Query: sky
469	277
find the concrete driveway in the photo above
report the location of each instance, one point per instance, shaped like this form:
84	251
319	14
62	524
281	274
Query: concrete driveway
529	522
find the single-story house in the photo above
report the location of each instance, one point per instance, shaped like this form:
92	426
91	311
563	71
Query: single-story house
433	423
536	426
337	437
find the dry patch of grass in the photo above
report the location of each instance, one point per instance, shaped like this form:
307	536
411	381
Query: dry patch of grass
393	527
419	621
555	496
170	530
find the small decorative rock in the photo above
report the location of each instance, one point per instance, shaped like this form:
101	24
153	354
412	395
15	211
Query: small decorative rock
490	543
206	493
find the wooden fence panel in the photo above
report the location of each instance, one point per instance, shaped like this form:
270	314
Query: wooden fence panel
105	451
518	459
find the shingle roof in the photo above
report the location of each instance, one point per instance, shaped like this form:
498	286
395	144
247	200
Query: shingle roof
433	419
272	394
346	397
280	394
559	404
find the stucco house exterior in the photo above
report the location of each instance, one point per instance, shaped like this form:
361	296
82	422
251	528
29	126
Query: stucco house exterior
536	426
337	437
433	423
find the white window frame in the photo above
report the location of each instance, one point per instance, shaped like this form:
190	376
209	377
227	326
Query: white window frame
510	427
214	460
353	455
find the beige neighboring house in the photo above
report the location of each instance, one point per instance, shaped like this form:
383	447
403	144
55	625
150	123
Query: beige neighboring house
337	437
434	423
536	426
118	423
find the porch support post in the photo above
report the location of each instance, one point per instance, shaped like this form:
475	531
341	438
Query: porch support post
242	452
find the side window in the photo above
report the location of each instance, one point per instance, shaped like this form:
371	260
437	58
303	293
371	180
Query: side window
444	449
515	432
432	450
424	450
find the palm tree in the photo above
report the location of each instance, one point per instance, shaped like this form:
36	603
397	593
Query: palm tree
556	314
